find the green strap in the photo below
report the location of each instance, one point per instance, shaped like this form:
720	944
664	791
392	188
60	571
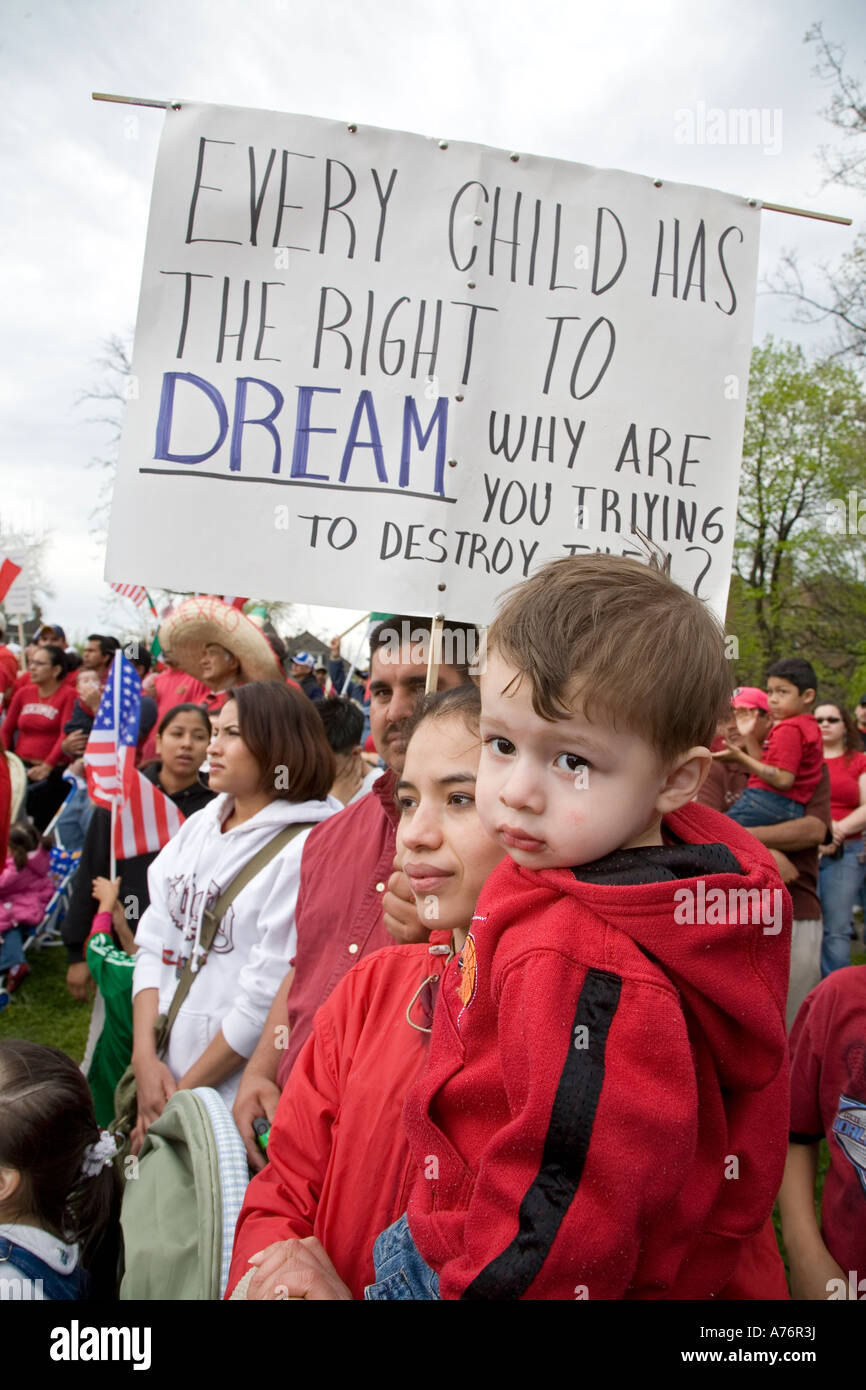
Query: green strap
213	916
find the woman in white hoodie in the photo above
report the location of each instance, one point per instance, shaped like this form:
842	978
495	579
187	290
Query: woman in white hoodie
270	761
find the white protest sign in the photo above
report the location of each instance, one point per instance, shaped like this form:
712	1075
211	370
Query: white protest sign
18	601
376	370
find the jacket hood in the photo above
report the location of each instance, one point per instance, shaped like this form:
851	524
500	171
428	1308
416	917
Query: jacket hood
275	815
723	939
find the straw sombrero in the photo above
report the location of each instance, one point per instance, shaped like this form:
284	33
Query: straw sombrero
18	781
197	621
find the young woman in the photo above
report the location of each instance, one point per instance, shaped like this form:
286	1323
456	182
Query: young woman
339	1164
182	739
841	875
33	728
272	767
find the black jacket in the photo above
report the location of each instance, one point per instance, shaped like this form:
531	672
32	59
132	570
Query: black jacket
95	863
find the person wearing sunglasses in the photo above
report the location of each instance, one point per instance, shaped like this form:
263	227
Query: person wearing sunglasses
841	875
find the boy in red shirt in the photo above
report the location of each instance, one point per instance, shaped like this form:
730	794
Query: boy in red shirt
788	769
604	1112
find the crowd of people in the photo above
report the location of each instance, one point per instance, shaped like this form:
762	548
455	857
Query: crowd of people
501	984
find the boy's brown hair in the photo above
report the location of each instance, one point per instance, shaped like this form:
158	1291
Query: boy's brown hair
622	639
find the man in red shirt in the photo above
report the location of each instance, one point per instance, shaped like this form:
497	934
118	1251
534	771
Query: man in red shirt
345	874
828	1101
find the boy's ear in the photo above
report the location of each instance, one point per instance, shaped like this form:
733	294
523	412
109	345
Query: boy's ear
684	780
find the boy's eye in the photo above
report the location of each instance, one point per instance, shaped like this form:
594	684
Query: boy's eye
571	762
461	799
500	745
405	804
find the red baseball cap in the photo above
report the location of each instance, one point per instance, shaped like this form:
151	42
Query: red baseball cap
750	697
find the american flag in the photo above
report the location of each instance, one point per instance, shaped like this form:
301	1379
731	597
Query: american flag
136	592
145	818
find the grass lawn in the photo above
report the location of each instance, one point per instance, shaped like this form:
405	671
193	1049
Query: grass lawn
42	1009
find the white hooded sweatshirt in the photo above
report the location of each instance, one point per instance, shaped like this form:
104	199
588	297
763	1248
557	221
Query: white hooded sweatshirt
234	989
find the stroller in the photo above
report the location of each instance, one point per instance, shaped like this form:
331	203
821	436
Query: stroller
182	1198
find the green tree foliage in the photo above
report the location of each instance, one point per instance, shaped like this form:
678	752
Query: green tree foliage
799	583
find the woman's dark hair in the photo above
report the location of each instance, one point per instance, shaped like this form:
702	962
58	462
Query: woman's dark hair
24	838
57	657
73	660
287	739
183	709
47	1122
463	700
853	738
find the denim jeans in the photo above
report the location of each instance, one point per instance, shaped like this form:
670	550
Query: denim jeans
839	884
401	1274
757	806
11	948
74	819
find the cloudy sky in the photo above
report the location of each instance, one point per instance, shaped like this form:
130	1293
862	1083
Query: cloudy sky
598	84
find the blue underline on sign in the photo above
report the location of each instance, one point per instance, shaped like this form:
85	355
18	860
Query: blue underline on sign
296	482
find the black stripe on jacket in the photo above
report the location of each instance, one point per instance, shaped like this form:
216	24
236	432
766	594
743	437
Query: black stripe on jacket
566	1146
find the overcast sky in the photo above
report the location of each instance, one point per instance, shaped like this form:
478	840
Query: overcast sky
598	84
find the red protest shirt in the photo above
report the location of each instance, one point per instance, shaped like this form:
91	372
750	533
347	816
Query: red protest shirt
38	722
594	1066
845	773
176	687
339	911
794	745
828	1100
338	1160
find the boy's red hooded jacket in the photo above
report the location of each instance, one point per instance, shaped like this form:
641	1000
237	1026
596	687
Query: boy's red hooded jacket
604	1114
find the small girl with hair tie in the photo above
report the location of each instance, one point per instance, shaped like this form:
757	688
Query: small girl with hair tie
59	1192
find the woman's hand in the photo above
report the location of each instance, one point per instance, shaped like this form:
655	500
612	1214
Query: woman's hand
257	1095
38	772
296	1269
155	1084
105	891
80	982
837	832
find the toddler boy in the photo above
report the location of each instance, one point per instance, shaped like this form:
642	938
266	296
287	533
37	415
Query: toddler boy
787	771
604	1113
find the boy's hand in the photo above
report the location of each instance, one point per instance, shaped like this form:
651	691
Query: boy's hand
729	754
747	720
400	911
105	891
